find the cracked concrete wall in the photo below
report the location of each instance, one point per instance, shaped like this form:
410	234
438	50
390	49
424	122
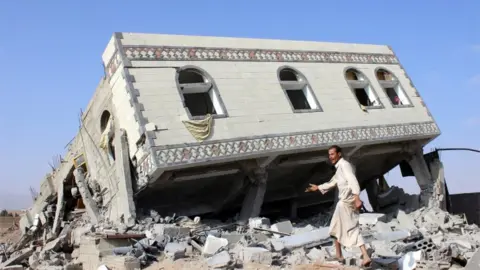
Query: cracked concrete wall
101	168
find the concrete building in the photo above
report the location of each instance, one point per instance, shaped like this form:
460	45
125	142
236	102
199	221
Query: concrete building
208	125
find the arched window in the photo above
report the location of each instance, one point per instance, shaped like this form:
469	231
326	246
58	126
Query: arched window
199	93
108	135
298	90
104	120
392	88
362	89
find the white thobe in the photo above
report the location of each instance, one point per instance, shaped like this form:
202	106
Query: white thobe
345	225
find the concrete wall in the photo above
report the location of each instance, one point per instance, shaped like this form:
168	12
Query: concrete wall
252	95
468	203
100	167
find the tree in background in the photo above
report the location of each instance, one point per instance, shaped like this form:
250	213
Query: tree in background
4	213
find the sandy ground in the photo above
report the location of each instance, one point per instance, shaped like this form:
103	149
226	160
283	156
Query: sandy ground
188	264
12	235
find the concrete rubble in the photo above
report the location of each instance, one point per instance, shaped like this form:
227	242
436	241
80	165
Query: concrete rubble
423	238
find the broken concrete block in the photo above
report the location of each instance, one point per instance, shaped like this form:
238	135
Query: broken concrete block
259	222
232	238
391	236
120	263
317	255
43	218
474	262
283	227
405	221
219	260
409	260
297	257
213	244
34	260
255	255
53	245
382	227
171	230
14	267
22	255
175	250
89	203
371	218
308	239
382	249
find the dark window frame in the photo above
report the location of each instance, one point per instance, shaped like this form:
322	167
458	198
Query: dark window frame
364	84
395	85
300	84
207	86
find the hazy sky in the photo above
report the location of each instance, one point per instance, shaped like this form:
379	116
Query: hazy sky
50	53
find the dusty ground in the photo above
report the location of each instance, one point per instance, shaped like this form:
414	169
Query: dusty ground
10	235
188	264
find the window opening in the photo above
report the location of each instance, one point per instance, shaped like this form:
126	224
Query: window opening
298	91
361	88
392	88
200	96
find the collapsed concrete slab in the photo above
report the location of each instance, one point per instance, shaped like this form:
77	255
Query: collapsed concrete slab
310	239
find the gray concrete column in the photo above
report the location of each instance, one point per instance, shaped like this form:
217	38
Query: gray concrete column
420	169
439	190
372	193
252	204
125	206
88	201
423	176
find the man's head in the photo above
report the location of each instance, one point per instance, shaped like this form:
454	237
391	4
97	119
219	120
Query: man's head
334	153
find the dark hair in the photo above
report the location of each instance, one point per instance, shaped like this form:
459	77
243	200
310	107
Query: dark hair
336	147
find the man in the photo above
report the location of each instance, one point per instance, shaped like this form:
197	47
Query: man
344	227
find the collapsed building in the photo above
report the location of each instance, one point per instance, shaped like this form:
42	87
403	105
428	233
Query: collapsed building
234	127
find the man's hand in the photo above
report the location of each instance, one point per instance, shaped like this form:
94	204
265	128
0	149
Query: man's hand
357	203
312	188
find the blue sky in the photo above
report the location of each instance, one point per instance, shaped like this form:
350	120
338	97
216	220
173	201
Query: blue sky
50	53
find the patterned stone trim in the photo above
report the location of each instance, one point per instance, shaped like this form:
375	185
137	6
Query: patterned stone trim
113	64
201	152
180	53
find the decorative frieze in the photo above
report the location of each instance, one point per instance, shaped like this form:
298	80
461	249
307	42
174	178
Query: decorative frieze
167	156
181	53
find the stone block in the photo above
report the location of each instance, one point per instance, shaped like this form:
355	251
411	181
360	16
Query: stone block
175	250
213	244
308	239
391	236
317	255
371	218
283	227
474	262
233	238
259	222
171	230
405	221
255	255
14	267
219	260
121	263
382	227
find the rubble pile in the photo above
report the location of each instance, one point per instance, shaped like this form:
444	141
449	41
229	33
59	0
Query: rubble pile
404	237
